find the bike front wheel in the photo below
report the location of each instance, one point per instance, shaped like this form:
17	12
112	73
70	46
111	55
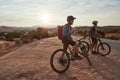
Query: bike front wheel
60	61
103	49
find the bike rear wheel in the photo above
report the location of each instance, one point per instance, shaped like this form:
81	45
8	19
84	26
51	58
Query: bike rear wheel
103	49
60	61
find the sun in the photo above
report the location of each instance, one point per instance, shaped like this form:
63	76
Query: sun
45	18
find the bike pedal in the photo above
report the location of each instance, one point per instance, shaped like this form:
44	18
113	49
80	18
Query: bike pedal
72	59
94	52
79	58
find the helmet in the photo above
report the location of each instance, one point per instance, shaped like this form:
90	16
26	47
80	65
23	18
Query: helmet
95	22
70	18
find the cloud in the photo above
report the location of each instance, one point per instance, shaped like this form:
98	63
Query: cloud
26	11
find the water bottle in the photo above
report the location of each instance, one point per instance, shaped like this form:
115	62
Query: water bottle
85	52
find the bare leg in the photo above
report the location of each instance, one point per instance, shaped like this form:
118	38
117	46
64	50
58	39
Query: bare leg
76	52
95	47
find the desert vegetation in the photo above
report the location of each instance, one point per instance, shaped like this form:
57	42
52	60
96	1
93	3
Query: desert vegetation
105	32
112	34
22	37
13	39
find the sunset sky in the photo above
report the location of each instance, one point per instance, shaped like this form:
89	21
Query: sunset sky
54	12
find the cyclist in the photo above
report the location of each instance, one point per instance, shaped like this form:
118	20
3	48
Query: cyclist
67	39
93	34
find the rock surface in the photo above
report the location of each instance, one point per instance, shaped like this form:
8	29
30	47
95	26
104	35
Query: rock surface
32	62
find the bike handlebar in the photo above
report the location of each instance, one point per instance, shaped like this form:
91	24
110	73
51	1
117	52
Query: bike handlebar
82	38
86	37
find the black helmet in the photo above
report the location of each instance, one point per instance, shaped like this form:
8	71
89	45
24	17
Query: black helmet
70	18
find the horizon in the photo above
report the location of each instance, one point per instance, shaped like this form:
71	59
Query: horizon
50	27
28	13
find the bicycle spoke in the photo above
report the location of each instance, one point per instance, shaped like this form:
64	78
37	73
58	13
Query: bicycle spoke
104	49
60	61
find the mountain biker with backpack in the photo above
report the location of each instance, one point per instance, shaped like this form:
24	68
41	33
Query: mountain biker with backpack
65	36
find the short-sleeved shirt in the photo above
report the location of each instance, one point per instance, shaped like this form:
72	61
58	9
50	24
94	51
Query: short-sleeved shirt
66	31
93	32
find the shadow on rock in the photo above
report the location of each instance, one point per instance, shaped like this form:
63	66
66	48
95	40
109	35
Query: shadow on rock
51	75
106	67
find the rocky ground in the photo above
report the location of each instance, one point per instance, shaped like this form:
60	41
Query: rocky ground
32	62
6	47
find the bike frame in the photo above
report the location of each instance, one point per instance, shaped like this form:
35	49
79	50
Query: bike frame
90	42
69	48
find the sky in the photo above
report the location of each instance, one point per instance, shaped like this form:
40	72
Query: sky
25	13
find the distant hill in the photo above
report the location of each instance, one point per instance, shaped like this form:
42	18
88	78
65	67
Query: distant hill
101	28
12	28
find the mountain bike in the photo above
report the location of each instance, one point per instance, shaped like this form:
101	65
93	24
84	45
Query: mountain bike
60	60
102	47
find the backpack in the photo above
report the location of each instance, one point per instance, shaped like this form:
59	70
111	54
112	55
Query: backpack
59	31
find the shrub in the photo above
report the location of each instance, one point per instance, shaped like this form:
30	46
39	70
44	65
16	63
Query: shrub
113	36
101	33
38	34
82	32
53	34
10	36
